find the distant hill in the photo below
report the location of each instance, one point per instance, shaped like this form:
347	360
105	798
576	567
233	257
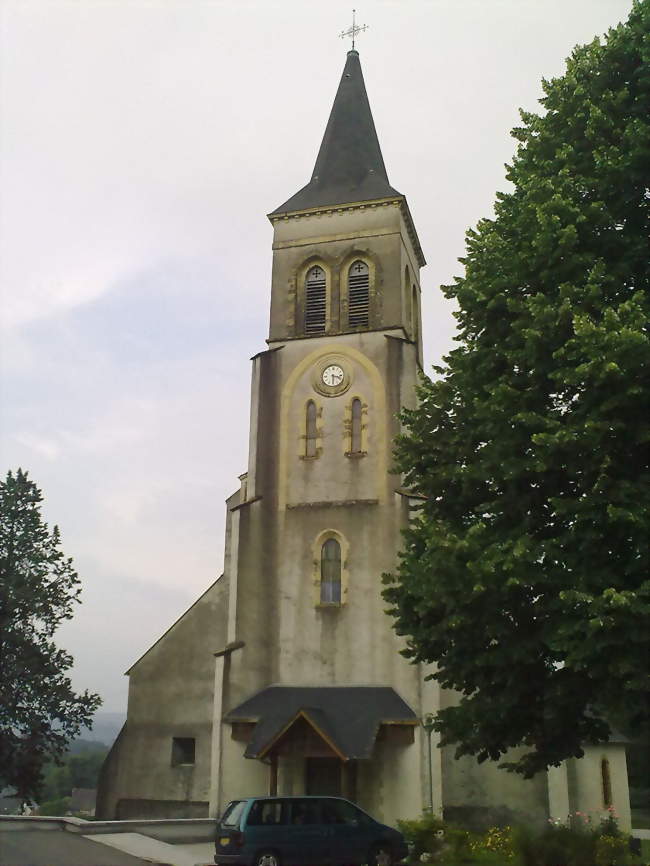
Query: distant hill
106	726
80	746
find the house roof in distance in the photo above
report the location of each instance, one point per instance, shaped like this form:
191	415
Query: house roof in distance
349	166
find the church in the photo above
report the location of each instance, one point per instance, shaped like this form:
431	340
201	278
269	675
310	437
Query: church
285	676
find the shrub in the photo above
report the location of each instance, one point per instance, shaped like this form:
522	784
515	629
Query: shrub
574	843
613	851
56	808
423	835
497	841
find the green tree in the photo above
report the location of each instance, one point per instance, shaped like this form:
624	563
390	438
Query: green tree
79	770
39	712
524	578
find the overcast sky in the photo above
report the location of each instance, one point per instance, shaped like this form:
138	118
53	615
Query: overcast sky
142	144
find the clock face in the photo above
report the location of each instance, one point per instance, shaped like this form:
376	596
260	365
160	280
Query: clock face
333	375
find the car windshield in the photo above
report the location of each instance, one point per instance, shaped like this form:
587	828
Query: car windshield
232	816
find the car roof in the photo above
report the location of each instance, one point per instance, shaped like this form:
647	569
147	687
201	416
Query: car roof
291	797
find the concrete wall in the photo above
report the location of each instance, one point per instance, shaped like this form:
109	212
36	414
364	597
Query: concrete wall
483	795
171	831
586	783
170	695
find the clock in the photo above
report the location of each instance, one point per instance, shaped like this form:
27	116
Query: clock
332	375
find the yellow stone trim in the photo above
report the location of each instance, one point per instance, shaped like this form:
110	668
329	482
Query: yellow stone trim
348	206
316	548
329	238
378	402
335	208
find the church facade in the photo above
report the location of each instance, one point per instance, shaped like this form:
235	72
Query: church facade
285	677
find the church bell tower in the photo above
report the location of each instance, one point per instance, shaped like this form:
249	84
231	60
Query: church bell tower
321	514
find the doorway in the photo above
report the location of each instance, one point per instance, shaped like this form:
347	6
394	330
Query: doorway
323	777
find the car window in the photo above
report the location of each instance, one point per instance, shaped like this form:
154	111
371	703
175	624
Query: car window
232	816
342	812
305	811
266	813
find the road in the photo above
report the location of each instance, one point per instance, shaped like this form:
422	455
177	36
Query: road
57	848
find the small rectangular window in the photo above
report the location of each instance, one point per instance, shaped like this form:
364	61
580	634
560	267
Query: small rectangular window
183	750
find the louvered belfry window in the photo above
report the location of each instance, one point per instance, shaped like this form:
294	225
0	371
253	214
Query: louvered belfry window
358	295
315	300
330	572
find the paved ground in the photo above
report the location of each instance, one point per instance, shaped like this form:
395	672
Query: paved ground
57	848
160	852
201	852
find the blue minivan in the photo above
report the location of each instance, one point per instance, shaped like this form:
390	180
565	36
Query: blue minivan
304	831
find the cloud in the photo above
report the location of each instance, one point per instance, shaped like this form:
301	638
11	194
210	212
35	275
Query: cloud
142	145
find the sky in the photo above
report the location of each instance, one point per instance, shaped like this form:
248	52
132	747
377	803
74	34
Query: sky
142	143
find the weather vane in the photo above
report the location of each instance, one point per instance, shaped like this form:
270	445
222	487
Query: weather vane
352	31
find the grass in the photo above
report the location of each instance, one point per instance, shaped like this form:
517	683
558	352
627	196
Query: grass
645	850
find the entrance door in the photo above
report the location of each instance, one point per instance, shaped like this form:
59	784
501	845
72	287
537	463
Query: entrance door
323	777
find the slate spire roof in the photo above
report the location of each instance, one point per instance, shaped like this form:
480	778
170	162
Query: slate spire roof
349	166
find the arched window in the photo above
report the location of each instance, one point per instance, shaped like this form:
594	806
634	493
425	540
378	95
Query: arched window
358	294
415	314
355	427
315	300
310	430
330	572
607	782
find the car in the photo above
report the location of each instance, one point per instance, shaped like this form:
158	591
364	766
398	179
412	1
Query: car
303	831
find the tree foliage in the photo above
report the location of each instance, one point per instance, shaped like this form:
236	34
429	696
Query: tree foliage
39	712
79	770
525	576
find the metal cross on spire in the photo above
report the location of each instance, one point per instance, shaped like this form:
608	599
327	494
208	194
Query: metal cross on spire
352	31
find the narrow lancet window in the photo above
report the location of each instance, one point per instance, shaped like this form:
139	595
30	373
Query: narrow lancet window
355	429
607	782
330	572
315	300
415	315
358	295
310	437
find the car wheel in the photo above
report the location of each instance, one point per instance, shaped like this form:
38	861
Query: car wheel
267	858
380	855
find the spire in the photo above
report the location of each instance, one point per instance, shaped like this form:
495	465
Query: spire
349	166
